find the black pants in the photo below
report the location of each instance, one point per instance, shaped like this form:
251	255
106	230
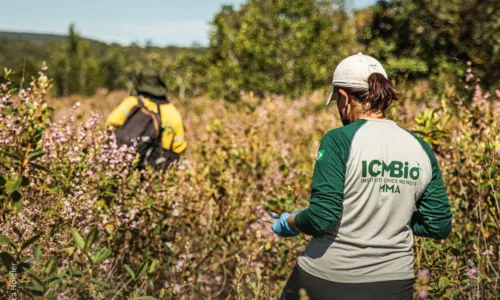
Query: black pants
320	289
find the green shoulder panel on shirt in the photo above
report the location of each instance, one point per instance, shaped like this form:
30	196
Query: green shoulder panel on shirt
327	193
433	216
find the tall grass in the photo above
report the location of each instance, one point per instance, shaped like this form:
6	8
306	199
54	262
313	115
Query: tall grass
79	222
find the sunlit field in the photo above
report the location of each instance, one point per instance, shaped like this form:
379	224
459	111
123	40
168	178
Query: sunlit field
79	221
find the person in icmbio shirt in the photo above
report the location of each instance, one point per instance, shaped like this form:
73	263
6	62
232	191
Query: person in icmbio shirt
375	186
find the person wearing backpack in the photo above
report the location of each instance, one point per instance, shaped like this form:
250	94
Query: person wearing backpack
375	186
150	122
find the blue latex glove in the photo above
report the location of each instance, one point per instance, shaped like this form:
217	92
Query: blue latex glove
281	226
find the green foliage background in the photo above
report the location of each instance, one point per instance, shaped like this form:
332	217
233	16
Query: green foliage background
284	47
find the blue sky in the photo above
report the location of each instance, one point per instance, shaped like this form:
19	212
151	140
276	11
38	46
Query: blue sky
164	22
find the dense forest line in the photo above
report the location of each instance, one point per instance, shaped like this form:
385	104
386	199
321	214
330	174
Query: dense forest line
277	47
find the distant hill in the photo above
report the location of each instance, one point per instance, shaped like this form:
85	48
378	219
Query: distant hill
39	38
44	38
24	53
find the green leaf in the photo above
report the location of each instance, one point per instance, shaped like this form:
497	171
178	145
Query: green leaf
484	277
100	256
36	154
446	118
492	224
6	240
152	266
91	237
2	181
443	282
129	271
56	277
40	167
36	290
74	273
13	184
13	155
146	298
80	242
35	276
37	252
141	269
30	241
49	266
18	204
100	282
109	292
54	280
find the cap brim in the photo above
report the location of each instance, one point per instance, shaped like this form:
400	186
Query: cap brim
331	97
152	90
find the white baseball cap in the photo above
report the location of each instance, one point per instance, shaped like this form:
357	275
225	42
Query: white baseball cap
354	71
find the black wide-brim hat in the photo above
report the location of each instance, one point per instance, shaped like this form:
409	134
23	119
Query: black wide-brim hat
149	82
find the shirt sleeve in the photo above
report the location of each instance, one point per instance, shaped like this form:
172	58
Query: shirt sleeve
433	217
173	132
327	195
118	116
179	142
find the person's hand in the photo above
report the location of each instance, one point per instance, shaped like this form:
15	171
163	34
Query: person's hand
281	226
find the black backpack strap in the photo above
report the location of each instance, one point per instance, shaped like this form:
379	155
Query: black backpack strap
162	158
160	134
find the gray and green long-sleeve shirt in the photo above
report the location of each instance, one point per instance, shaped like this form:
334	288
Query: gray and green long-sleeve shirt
375	185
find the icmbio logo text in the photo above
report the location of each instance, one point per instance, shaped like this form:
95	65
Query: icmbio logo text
394	169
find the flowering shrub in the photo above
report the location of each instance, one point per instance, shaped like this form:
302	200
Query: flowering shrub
80	221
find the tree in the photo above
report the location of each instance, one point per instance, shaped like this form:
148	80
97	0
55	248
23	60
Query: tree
93	77
441	35
61	76
113	70
276	46
68	74
186	75
75	57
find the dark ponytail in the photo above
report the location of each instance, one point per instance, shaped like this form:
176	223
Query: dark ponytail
381	92
379	95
